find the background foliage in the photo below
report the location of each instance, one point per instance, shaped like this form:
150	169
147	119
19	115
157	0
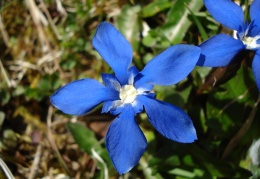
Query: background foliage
45	44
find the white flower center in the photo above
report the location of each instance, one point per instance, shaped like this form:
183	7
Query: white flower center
127	94
250	42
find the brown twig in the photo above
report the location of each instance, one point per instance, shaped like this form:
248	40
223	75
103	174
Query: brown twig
233	142
234	100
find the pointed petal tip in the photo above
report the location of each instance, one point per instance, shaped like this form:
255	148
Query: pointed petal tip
192	136
226	12
171	121
188	136
122	172
76	98
170	66
114	49
125	142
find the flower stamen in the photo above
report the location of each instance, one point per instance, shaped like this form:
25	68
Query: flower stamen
127	94
250	42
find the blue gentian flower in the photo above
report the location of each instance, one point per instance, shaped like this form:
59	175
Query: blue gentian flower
219	50
127	92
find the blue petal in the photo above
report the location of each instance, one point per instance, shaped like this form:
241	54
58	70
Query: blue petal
116	107
255	12
114	49
226	12
111	81
138	105
256	68
81	96
117	110
254	30
110	105
219	50
170	66
125	141
133	71
144	88
171	121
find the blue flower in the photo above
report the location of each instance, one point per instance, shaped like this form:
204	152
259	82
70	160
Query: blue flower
127	92
219	50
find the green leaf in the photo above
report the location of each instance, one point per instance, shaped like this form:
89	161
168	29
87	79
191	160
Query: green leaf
128	24
198	24
87	142
215	166
6	5
223	106
68	64
155	7
172	94
171	161
5	97
2	118
156	39
177	22
84	137
181	172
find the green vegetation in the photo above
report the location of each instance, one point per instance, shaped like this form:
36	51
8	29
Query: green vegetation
45	44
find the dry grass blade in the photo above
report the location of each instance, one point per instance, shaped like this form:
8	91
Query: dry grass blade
3	32
5	74
36	162
39	19
50	20
60	8
97	156
52	142
4	167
